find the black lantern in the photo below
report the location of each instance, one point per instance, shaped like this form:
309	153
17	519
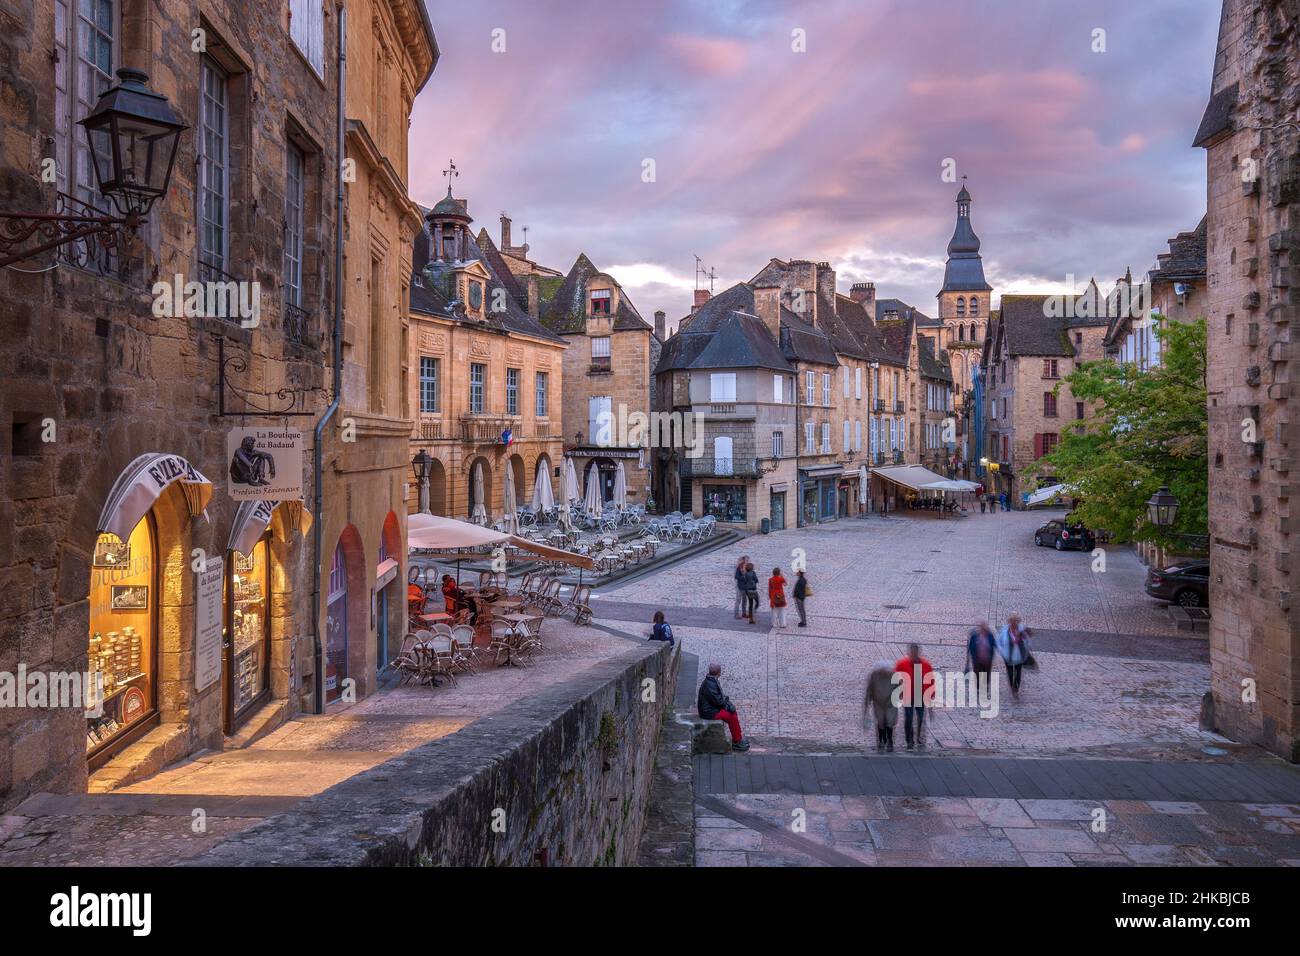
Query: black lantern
133	134
1162	508
420	466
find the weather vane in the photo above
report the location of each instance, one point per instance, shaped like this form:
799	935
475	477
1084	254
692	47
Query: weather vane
449	172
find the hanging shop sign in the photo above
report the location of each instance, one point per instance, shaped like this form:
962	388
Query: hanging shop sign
265	464
208	624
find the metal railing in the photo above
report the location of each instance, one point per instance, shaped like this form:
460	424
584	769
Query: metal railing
711	467
296	319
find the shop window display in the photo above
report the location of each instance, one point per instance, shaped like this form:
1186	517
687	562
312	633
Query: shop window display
725	502
123	651
249	623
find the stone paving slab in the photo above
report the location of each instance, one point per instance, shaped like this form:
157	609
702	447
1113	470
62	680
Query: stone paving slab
1042	783
820	830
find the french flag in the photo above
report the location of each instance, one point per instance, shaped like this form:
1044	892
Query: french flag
507	437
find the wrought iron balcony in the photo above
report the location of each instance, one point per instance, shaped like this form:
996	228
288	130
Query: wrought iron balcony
710	467
898	406
296	320
878	405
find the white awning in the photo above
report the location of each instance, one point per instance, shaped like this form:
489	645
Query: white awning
253	517
140	485
909	476
1045	494
436	533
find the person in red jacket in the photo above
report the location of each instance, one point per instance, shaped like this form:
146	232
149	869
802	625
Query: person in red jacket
914	682
776	597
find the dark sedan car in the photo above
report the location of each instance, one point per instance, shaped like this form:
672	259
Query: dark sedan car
1186	584
1063	536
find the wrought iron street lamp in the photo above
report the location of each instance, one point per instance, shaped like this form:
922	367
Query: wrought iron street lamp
1162	508
133	134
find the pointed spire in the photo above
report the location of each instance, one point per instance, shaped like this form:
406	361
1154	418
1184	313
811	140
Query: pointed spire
965	269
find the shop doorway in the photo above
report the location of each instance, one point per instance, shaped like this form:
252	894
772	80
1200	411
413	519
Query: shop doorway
247	657
778	511
123	658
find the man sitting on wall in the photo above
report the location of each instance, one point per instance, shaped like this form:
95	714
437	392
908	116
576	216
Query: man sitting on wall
713	704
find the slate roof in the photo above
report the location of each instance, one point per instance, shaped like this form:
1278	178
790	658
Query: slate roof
905	311
898	335
501	269
964	271
863	326
566	310
742	344
933	366
430	295
1217	118
1185	258
1028	331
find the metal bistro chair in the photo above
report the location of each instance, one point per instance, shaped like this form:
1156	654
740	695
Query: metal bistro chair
579	604
463	652
407	661
439	658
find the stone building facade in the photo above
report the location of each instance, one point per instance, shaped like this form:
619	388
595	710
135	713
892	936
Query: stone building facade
111	406
486	380
1035	343
391	54
607	366
1251	133
114	525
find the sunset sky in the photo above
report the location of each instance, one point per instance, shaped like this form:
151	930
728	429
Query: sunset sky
1079	162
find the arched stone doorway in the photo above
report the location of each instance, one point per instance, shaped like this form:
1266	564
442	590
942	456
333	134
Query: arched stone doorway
437	488
346	615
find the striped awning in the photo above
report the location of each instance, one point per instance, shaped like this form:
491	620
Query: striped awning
142	482
253	517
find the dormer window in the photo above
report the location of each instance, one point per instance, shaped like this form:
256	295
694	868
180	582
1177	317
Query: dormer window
601	301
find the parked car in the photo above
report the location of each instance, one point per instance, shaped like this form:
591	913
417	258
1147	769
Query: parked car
1186	584
1064	535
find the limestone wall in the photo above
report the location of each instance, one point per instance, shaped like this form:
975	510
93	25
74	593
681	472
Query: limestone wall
561	778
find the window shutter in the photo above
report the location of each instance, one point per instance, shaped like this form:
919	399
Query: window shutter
1038	446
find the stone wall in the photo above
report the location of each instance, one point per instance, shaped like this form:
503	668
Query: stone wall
1253	277
561	778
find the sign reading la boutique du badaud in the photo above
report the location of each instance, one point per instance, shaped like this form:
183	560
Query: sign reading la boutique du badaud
264	464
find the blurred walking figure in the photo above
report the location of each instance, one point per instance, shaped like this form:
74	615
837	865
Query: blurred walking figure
981	651
713	704
750	583
914	689
801	592
776	597
878	705
740	590
1013	645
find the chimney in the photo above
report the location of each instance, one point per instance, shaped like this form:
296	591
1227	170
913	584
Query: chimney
534	296
767	306
864	293
661	321
825	288
701	296
505	232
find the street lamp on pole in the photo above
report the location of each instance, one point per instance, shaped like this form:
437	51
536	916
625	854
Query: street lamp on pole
421	466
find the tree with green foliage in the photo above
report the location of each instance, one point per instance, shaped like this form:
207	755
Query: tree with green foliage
1148	428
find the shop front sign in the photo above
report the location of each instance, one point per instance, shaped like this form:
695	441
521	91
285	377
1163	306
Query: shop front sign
264	464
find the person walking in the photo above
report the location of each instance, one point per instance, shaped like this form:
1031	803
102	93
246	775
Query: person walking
713	704
801	592
878	705
740	591
662	631
776	597
1013	645
982	504
981	650
750	583
916	685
